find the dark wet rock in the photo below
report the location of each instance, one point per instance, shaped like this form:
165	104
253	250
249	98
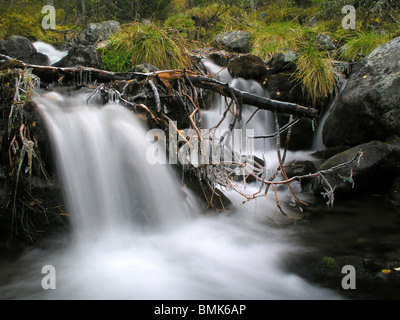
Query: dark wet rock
332	267
368	108
17	47
374	173
282	61
283	87
394	192
329	152
300	168
236	41
38	59
221	58
22	49
302	134
247	66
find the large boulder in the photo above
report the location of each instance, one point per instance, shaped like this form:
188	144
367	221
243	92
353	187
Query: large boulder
17	47
22	49
236	41
373	173
97	32
369	106
80	55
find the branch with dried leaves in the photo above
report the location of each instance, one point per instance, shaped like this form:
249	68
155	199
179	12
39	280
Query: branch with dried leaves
49	74
181	85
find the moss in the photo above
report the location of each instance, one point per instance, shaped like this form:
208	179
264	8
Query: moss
27	22
183	23
329	262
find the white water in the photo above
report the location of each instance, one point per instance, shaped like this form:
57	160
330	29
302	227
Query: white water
135	233
135	237
47	49
259	124
318	143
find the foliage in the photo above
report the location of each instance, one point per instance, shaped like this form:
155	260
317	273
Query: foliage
26	21
362	44
183	23
140	43
271	38
315	72
15	22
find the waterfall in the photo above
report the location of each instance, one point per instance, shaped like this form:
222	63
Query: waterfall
136	235
102	163
318	143
259	123
47	49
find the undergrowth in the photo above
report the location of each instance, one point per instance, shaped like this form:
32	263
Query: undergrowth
27	22
140	43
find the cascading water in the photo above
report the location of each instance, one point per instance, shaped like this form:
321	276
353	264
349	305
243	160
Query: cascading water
257	124
47	49
103	166
136	234
318	143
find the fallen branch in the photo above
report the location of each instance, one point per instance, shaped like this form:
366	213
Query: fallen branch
252	99
49	74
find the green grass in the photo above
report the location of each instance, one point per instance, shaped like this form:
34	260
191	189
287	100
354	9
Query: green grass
27	22
315	72
362	44
271	38
183	23
145	43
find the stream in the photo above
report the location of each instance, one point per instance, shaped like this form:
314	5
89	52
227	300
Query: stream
138	234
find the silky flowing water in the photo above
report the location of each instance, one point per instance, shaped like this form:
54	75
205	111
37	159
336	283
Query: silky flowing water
47	49
138	234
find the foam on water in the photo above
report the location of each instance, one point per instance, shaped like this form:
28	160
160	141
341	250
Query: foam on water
135	235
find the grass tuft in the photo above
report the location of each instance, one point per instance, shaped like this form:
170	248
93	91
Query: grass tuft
145	43
362	44
315	72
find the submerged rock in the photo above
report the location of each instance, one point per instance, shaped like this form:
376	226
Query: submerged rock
368	108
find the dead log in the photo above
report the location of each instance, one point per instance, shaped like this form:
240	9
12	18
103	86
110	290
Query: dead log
252	99
81	75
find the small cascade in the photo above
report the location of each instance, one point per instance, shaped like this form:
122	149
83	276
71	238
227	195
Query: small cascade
47	49
253	123
135	235
318	143
104	171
